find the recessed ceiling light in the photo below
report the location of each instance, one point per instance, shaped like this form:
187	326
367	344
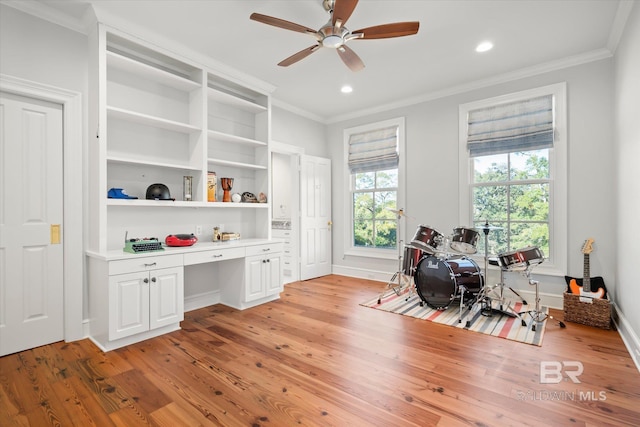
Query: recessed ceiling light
346	89
484	46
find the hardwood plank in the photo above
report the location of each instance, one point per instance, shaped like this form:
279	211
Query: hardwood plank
316	357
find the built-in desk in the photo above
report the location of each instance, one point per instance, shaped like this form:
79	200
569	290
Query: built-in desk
133	297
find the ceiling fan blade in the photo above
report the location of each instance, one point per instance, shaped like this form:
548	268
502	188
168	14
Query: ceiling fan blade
350	58
342	10
298	56
397	29
277	22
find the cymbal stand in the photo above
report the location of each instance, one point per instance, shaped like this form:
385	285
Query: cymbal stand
399	274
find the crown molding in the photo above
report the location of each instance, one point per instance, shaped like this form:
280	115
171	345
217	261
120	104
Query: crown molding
45	12
619	23
297	110
571	61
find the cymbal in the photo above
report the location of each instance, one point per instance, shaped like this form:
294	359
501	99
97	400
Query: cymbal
397	212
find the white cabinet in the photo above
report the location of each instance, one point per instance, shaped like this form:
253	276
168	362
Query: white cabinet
289	254
145	300
134	298
263	272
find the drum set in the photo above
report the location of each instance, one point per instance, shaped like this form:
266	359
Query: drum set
440	271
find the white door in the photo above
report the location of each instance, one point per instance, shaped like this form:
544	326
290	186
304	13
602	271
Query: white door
31	255
315	217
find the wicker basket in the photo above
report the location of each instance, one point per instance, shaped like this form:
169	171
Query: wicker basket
596	313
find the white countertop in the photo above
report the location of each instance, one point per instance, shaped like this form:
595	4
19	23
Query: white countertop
198	247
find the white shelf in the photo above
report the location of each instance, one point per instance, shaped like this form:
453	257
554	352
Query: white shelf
145	119
149	72
226	137
235	164
235	101
130	161
182	204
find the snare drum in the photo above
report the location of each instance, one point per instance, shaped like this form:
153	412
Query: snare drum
464	240
412	257
521	258
427	239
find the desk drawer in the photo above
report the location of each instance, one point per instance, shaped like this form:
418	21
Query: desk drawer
264	249
213	255
144	263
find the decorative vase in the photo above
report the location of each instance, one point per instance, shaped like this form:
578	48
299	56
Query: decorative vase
227	185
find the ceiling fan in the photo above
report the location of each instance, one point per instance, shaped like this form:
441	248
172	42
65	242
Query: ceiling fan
335	35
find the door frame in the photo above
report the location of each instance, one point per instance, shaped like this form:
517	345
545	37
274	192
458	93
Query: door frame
72	179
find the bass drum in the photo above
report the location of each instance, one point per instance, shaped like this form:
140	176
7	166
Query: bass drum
438	281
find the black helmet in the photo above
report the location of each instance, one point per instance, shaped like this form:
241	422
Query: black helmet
158	192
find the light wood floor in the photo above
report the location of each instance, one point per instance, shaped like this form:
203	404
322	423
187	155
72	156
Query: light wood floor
316	357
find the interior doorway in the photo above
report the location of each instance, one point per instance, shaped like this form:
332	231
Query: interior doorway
285	212
31	251
73	195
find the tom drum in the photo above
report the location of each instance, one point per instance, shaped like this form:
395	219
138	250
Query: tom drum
426	238
412	257
464	240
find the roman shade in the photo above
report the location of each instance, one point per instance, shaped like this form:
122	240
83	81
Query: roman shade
518	126
374	150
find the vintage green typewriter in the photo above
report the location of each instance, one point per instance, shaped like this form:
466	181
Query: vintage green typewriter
136	246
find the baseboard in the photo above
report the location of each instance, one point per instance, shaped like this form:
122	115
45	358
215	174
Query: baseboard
629	336
361	273
205	299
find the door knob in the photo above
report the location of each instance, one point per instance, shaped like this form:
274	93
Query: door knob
330	223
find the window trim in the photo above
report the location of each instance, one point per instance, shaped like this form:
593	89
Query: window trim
558	215
350	249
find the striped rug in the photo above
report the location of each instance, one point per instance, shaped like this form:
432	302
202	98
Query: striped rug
498	325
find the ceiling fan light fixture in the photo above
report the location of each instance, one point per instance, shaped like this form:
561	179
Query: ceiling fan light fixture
333	41
484	46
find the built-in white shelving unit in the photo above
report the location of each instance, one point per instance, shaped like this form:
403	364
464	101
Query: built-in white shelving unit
160	117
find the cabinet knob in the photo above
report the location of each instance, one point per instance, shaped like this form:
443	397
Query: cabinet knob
146	280
153	279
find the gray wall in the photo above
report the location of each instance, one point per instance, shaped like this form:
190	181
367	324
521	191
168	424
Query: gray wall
293	129
627	142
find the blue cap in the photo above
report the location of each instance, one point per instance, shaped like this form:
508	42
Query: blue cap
119	193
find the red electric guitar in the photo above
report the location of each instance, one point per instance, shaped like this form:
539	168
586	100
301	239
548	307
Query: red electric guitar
590	287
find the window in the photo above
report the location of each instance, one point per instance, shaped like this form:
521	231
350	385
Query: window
374	168
513	172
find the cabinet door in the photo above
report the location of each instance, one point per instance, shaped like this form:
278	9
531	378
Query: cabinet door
128	304
273	276
254	286
166	296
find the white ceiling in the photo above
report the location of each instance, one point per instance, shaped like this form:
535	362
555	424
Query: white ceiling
529	37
